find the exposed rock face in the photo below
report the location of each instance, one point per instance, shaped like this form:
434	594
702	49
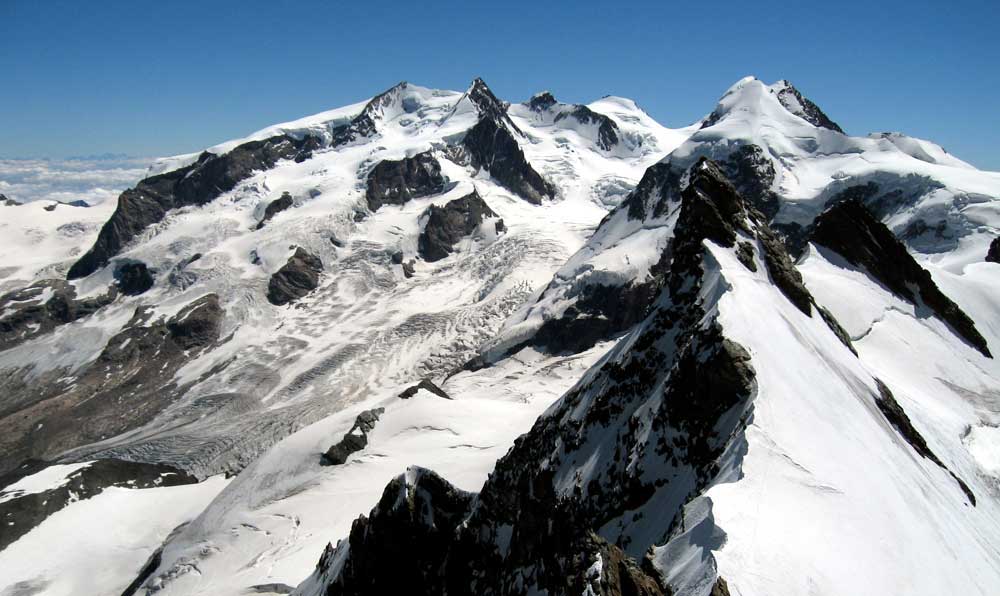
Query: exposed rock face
134	278
894	413
22	512
136	367
657	189
607	130
365	124
492	146
851	231
602	311
752	173
447	225
540	102
6	202
993	255
396	182
28	314
355	440
799	105
199	327
295	279
196	184
426	385
275	207
640	436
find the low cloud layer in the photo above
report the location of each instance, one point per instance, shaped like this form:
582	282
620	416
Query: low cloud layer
93	180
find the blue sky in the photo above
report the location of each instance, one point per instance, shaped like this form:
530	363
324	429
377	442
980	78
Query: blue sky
158	78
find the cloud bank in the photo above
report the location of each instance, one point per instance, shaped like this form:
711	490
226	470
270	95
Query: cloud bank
92	179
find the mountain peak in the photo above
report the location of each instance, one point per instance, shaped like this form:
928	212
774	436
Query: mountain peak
801	106
488	104
542	100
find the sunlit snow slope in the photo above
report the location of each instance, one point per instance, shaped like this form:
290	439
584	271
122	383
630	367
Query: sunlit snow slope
653	360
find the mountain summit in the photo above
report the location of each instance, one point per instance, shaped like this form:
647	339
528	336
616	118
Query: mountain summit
439	342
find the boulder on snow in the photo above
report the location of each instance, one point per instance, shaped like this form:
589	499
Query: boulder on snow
426	385
355	440
275	207
295	279
993	254
396	182
134	278
447	225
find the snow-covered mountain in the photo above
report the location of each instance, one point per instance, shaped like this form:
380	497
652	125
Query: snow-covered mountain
441	343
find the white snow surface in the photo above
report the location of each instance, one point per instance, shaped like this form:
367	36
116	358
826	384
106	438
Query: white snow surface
48	478
40	244
829	499
97	546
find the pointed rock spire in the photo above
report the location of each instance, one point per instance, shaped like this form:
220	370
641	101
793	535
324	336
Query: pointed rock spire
800	105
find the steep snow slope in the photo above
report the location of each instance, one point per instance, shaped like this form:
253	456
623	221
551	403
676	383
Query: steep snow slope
121	527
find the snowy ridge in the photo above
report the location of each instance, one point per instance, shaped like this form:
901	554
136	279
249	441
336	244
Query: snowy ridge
656	381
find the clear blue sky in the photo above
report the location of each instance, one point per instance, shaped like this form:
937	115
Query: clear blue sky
157	78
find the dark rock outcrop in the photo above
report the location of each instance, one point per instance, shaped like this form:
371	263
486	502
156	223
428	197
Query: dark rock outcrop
426	385
21	512
409	268
993	254
849	229
365	124
894	413
199	327
752	173
27	317
540	102
295	279
275	207
492	146
396	182
447	225
600	312
607	130
800	105
196	184
713	207
134	278
7	202
355	440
